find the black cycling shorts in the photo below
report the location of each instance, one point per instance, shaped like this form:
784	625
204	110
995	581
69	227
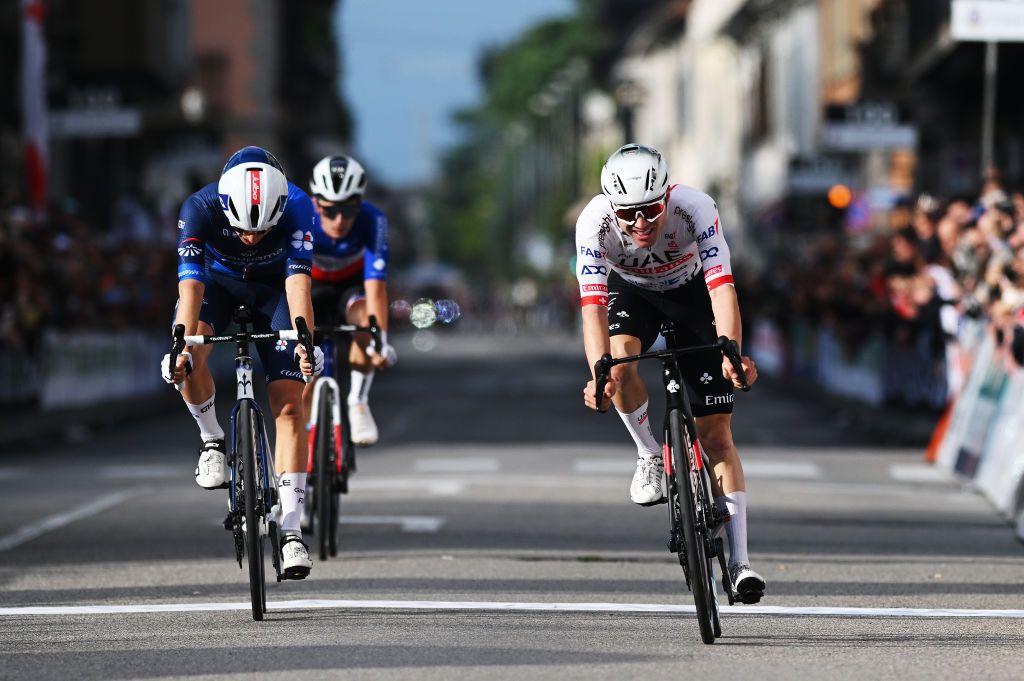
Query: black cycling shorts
331	300
632	311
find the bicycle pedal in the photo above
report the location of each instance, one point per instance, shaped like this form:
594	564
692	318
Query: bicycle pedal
749	597
228	522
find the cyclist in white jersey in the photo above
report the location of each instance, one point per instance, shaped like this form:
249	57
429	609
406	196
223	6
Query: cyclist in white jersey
648	252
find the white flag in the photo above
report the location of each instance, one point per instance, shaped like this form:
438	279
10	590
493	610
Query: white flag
33	100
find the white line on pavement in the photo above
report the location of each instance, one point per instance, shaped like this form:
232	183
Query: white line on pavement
143	472
795	470
782	469
409	523
510	606
461	465
30	532
919	472
437	487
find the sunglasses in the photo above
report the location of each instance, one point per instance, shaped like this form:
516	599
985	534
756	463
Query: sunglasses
649	211
345	210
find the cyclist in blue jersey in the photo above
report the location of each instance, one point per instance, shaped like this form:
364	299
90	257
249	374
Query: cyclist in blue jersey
350	267
248	239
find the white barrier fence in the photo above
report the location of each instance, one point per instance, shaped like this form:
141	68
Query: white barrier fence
83	369
984	441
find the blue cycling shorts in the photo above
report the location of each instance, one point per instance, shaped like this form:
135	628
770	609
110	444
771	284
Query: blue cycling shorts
269	307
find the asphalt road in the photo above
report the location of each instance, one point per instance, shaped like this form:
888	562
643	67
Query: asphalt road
489	535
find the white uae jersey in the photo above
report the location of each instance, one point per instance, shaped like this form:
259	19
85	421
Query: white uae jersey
689	242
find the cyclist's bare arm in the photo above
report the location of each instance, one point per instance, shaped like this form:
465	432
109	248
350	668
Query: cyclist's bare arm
190	300
377	304
300	304
596	344
726	307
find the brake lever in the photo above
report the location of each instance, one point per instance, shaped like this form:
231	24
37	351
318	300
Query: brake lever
177	346
601	369
731	349
306	339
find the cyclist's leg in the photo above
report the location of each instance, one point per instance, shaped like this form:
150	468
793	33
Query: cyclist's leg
199	392
362	424
284	391
632	327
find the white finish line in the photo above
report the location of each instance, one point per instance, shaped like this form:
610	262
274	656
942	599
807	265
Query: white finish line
319	604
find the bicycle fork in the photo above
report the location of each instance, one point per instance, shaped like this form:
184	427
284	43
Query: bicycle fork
331	385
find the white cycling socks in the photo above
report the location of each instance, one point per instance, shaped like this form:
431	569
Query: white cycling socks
735	504
638	424
205	415
359	393
292	489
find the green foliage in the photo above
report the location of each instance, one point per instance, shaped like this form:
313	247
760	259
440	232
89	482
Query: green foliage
490	191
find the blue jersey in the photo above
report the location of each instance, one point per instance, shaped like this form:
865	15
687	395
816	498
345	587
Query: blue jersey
207	243
363	251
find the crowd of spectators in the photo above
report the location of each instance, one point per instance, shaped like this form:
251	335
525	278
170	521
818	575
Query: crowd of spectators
937	262
59	273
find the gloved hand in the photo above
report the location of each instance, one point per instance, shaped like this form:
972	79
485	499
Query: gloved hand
386	353
165	372
318	358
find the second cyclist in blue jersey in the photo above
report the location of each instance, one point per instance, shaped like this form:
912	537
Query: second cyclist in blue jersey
350	269
248	239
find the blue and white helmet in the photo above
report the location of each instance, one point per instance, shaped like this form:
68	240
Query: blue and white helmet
635	175
253	190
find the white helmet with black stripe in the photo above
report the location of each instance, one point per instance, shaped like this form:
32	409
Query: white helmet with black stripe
253	190
634	175
336	178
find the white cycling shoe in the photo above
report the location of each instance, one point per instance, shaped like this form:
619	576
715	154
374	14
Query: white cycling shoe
211	471
646	488
749	585
295	561
364	428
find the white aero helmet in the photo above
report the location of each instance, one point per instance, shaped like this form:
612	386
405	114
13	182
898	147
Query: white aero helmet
336	178
634	175
253	190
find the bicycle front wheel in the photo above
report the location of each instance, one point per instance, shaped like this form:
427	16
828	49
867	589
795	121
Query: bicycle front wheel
323	469
681	450
245	455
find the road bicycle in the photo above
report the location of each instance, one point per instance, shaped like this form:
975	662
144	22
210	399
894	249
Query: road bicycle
253	508
332	455
695	523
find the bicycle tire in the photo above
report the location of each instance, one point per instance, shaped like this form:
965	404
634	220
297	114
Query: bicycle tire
696	548
245	454
322	468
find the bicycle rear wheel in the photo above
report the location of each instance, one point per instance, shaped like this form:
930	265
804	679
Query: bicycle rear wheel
323	469
697	558
245	455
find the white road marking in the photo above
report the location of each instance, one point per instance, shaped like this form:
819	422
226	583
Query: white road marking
624	465
30	532
459	465
509	606
409	523
788	470
437	487
143	472
795	470
919	472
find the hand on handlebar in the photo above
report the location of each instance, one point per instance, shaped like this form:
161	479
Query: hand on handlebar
610	388
730	374
182	368
383	358
310	369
